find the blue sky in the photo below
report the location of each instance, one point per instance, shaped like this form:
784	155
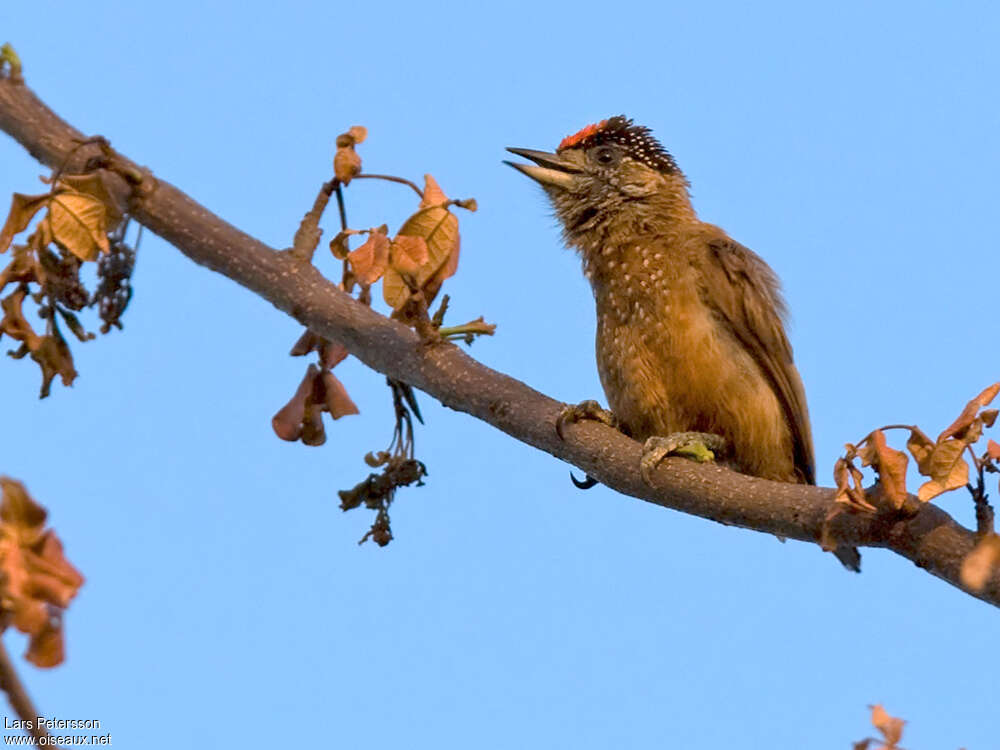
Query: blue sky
853	145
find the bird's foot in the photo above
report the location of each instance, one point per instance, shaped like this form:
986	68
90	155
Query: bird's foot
699	446
588	409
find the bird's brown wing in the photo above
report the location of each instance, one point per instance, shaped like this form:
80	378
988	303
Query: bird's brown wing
746	296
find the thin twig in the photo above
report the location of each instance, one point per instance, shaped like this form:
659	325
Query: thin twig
984	511
347	283
390	178
307	235
909	427
19	699
337	187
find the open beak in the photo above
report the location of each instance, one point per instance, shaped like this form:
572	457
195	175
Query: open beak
552	169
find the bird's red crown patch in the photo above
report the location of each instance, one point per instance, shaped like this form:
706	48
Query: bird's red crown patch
571	140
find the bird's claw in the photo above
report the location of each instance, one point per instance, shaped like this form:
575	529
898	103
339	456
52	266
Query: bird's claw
588	409
583	484
698	446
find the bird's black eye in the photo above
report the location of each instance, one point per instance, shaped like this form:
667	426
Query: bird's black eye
605	155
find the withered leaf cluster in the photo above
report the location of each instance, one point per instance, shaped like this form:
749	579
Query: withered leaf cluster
81	220
945	462
378	491
320	391
412	266
941	460
890	727
37	583
422	255
346	162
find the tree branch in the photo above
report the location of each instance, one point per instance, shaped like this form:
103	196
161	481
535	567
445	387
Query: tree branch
922	533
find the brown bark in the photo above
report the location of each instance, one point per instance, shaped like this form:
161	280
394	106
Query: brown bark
924	534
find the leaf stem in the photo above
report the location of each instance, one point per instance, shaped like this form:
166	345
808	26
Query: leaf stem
909	427
477	327
340	205
390	178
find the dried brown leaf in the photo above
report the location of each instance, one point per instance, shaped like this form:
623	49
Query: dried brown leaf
973	432
22	210
312	421
377	459
358	133
993	450
287	423
355	135
840	478
338	403
19	513
13	323
989	416
75	326
968	415
78	224
921	448
433	194
891	467
331	354
850	490
54	357
50	352
890	727
313	433
409	254
346	164
338	245
47	648
37	582
370	260
95	185
978	565
307	342
445	272
395	290
946	468
856	492
439	228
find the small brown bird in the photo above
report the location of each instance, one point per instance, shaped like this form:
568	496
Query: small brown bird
691	348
